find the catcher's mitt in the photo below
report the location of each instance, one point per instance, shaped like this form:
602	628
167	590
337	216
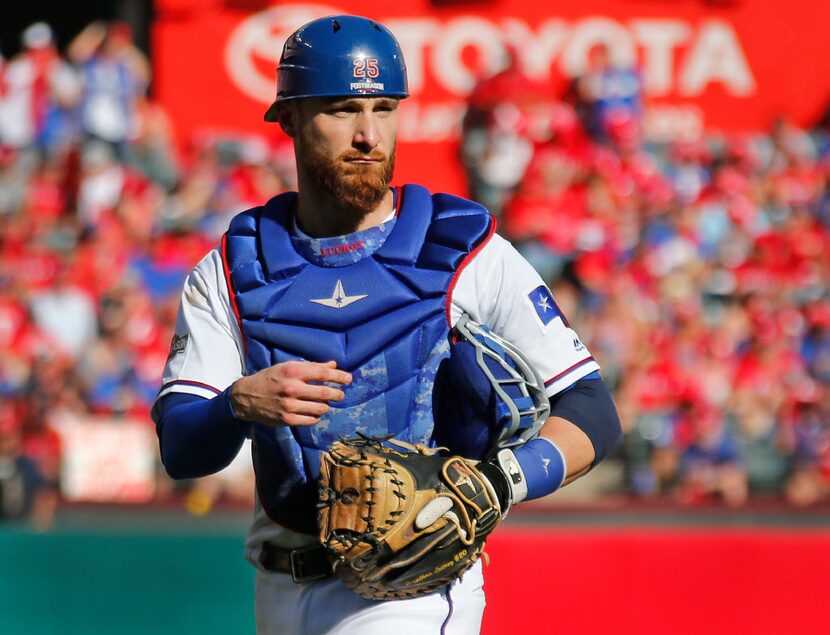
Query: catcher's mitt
402	523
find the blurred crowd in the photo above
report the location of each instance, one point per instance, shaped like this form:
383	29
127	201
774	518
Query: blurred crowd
101	218
696	270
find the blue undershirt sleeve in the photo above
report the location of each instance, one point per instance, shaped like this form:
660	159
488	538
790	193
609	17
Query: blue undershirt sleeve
198	436
589	406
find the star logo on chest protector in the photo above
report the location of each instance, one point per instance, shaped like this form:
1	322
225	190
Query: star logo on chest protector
339	299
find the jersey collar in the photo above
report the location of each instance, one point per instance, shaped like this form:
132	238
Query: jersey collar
339	251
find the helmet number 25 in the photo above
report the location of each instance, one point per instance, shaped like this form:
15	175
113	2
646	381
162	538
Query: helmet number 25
366	67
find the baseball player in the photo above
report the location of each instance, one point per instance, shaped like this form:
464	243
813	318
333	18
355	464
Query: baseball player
326	312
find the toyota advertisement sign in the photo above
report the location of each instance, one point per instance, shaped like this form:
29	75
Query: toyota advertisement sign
730	66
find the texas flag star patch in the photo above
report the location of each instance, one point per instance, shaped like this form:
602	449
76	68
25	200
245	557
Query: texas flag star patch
546	308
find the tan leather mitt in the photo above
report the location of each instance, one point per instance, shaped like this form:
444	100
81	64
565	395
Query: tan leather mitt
401	523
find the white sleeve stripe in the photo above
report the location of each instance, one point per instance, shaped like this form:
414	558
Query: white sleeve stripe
188	382
467	260
590	358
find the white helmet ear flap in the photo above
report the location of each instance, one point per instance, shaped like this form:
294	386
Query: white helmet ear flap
522	404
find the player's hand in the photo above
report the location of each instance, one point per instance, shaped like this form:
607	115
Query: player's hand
290	393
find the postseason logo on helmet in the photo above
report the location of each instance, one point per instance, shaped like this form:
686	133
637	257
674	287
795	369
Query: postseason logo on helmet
366	70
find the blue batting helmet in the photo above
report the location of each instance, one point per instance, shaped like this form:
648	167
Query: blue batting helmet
340	56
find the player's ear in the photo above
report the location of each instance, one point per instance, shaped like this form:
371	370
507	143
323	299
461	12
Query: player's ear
288	118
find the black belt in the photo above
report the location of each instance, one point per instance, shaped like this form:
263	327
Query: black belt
305	564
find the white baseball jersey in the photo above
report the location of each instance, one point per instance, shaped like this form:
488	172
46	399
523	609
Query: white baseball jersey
495	287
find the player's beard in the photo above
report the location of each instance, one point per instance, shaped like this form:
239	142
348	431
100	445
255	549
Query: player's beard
358	188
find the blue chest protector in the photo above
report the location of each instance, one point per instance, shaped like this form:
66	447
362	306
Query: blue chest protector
380	314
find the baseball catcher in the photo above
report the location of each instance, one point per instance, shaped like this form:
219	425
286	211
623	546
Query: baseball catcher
390	432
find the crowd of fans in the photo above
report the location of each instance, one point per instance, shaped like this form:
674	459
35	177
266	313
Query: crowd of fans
101	218
697	271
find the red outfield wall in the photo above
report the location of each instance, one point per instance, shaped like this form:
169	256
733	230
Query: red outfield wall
658	581
139	570
730	64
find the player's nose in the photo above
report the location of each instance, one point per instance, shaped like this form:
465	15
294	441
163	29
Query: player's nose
367	133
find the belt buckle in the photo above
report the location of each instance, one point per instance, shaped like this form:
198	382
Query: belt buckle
298	569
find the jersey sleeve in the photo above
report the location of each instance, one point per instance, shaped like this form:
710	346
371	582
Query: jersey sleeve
206	353
500	289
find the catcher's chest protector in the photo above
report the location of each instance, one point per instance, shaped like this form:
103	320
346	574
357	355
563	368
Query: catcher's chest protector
378	308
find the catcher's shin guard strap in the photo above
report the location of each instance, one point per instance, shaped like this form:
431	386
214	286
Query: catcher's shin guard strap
542	465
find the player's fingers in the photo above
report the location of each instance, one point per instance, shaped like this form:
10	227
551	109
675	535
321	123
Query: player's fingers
313	371
317	392
297	389
293	419
302	407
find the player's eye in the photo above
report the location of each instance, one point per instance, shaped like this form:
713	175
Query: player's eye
386	106
341	109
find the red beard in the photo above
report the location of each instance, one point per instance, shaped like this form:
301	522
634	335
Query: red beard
357	188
